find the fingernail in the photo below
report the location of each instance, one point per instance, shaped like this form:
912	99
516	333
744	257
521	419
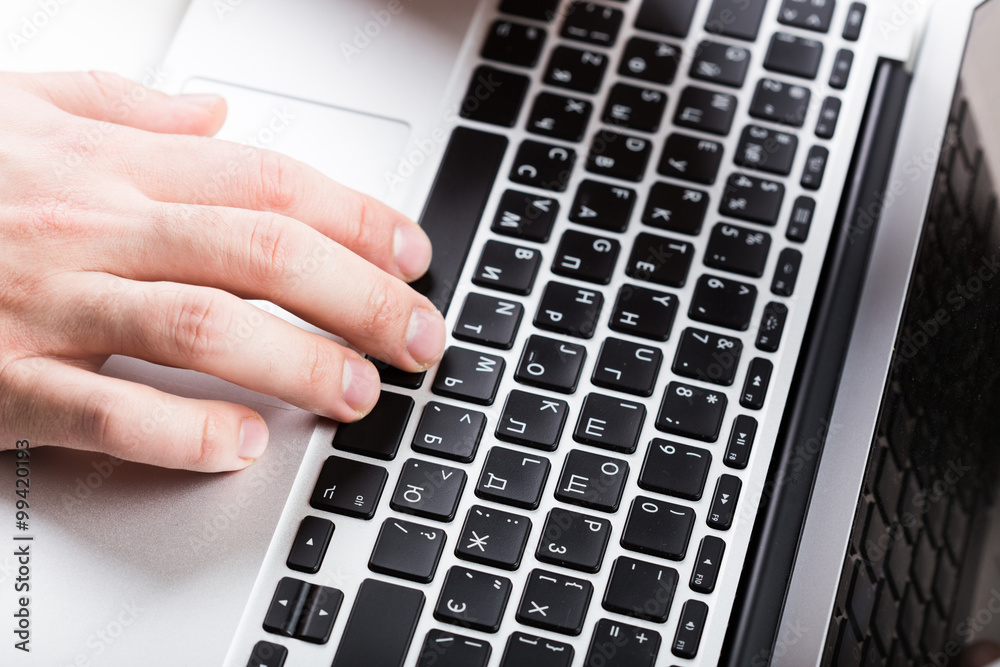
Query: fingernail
204	102
361	385
412	251
425	336
253	438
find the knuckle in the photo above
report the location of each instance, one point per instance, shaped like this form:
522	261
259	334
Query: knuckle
207	444
196	321
280	186
96	419
270	253
319	368
383	311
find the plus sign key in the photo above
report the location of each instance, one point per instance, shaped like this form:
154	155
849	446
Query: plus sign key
621	645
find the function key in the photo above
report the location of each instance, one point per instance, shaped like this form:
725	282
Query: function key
829	114
707	356
449	431
573	540
723	508
692	412
378	437
586	257
644	312
593	23
737	249
691	159
569	310
532	420
554	602
786	272
780	102
540	10
735	18
430	490
634	647
310	544
559	117
525	216
723	302
660	260
635	108
468	375
373	637
767	150
543	165
707	564
576	69
675	469
493	537
641	590
772	323
807	14
523	649
514	43
812	175
488	321
619	156
650	61
266	654
592	481
667	18
705	110
801	219
755	386
740	442
407	550
751	198
720	63
508	268
551	364
602	205
626	366
676	208
855	19
349	487
658	528
793	55
598	412
841	69
446	649
471	599
689	628
513	478
484	102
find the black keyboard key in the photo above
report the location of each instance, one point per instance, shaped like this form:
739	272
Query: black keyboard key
632	646
573	540
374	637
801	219
812	175
793	55
586	257
751	198
635	108
576	69
493	537
829	114
592	481
808	14
468	376
610	423
705	110
379	434
723	508
602	205
706	566
427	489
644	312
766	150
735	18
660	260
689	628
447	649
786	272
507	267
692	412
755	386
676	208
514	43
691	159
740	442
626	366
397	378
494	96
310	544
513	478
650	60
472	599
266	654
349	487
559	117
525	216
569	310
723	302
841	69
658	528
593	23
707	356
554	602
319	614
855	19
721	63
675	469
737	249
455	206
449	431
543	165
641	590
618	156
524	649
772	323
780	102
407	550
488	320
551	364
668	18
287	604
532	420
540	10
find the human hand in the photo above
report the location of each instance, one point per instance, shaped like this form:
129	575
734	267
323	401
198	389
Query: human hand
120	237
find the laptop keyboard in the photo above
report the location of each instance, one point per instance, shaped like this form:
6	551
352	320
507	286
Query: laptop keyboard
619	226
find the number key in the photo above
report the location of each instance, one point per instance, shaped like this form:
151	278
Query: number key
723	302
692	412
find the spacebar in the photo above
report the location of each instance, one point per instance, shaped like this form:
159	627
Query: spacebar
455	205
381	626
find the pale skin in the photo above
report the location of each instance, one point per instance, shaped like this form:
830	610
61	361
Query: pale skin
126	229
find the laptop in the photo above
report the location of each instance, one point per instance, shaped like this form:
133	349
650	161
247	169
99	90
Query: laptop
721	373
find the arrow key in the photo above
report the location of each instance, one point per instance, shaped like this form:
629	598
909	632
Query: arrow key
727	492
319	614
286	606
706	566
310	544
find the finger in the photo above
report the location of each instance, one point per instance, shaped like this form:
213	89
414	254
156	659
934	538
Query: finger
267	256
217	173
213	332
114	99
50	402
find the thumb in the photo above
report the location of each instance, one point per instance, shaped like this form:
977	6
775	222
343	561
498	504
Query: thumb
108	97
